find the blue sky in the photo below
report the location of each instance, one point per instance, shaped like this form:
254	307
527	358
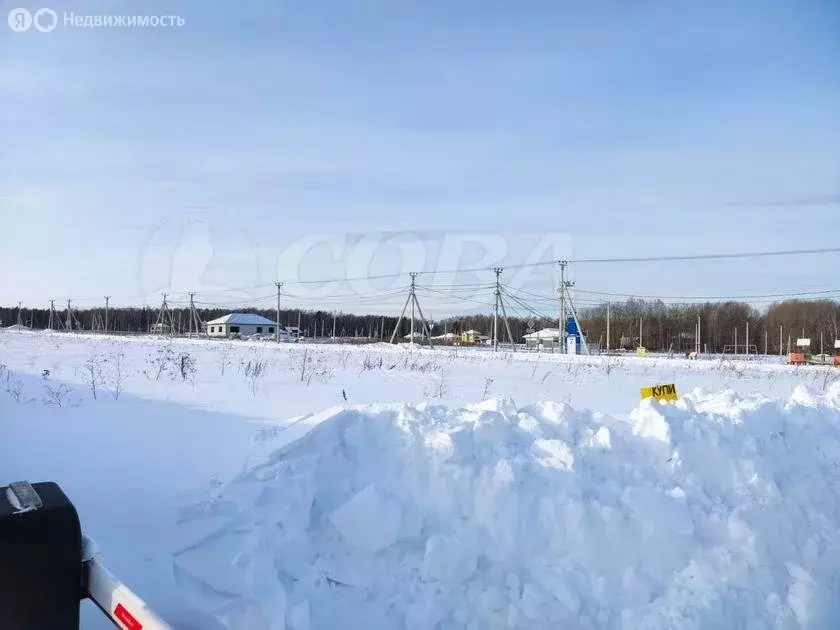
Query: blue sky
263	142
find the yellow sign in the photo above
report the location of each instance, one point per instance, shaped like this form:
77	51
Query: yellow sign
641	351
660	392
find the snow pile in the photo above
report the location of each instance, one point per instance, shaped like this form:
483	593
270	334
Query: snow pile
714	512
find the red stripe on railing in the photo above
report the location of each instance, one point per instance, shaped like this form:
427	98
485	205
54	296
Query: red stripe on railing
126	618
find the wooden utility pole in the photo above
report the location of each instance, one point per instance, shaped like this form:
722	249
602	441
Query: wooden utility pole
195	321
411	338
412	299
609	304
19	323
107	308
497	271
561	314
163	314
53	318
699	329
500	303
747	339
640	332
277	323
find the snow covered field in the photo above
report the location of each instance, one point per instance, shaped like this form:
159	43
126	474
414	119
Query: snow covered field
233	486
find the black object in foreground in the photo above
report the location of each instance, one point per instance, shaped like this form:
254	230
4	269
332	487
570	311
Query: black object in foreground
47	566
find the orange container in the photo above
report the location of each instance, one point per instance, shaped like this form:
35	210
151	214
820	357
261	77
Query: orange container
837	361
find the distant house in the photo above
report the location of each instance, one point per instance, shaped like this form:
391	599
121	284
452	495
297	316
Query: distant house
244	324
447	339
472	337
418	337
546	338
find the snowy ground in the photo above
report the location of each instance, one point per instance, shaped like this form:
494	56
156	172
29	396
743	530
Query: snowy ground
234	487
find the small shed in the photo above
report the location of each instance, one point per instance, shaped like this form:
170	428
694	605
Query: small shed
244	324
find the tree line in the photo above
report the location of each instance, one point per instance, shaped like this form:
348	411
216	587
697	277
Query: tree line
657	325
722	324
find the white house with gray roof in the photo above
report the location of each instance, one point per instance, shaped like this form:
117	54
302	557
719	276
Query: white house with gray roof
244	324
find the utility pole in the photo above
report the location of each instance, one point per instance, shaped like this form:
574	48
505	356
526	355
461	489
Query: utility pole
640	332
412	298
19	323
609	303
697	345
765	342
277	323
107	308
735	339
163	314
69	324
298	326
497	271
780	340
747	340
500	303
192	310
561	315
507	324
411	338
333	335
195	320
52	314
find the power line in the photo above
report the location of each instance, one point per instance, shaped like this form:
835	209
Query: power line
545	263
455	297
755	296
690	257
787	252
712	297
489	268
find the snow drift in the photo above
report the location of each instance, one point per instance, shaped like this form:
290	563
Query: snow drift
714	512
